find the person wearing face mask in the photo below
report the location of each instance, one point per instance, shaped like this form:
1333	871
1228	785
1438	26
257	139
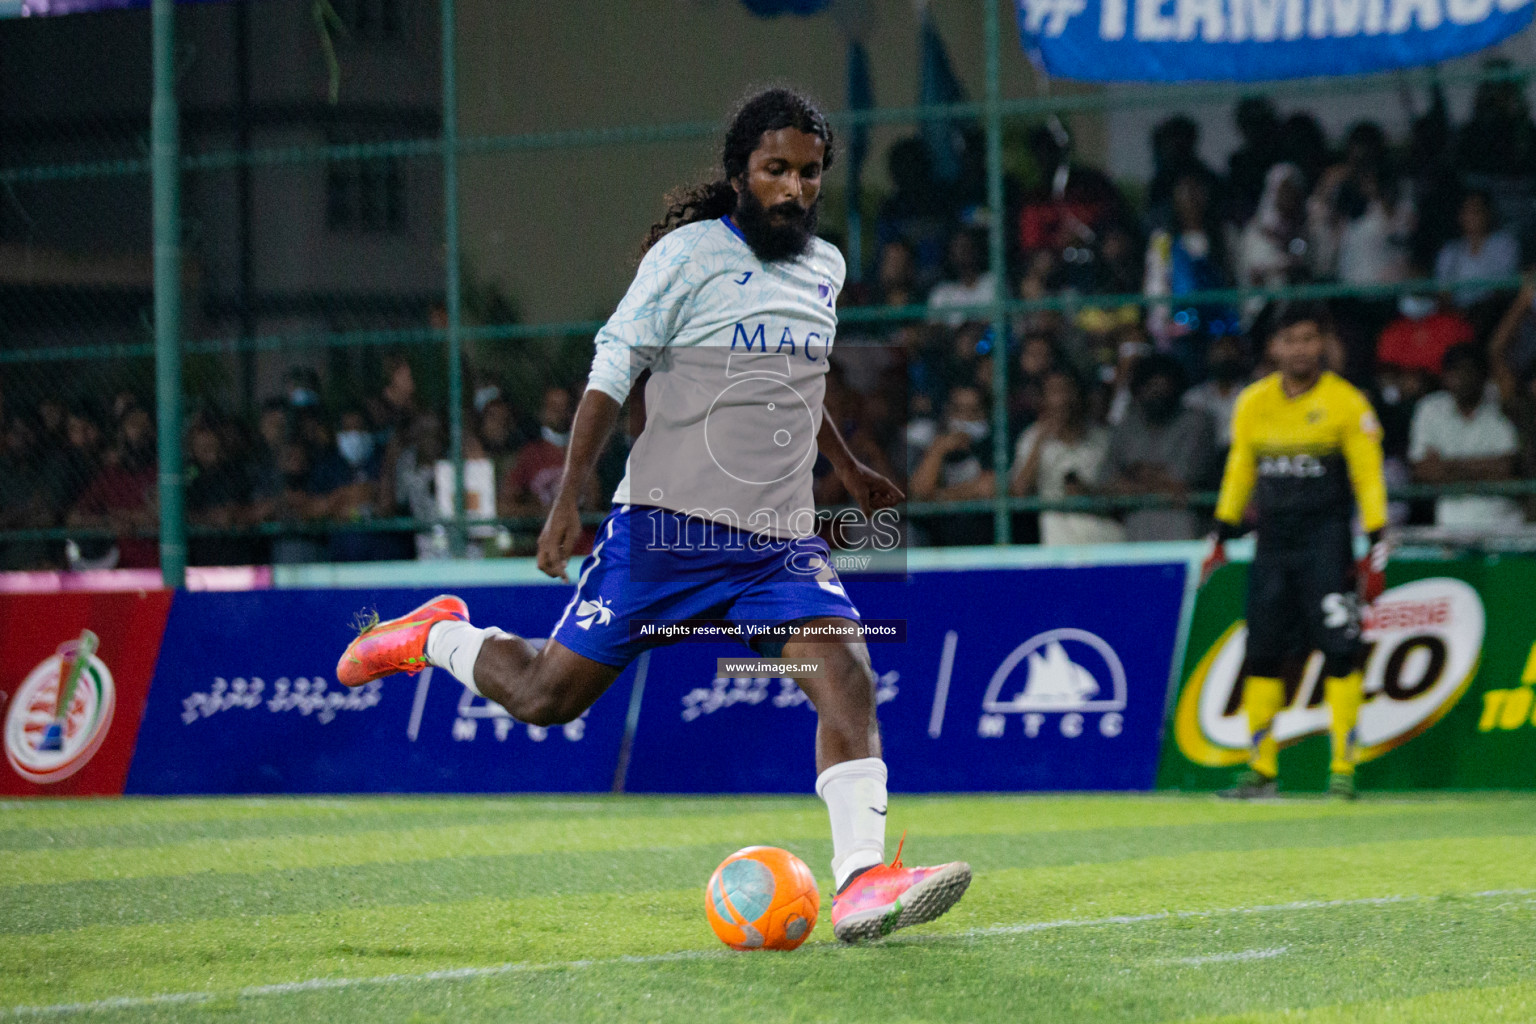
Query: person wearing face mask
349	479
1161	447
1422	332
957	466
1227	363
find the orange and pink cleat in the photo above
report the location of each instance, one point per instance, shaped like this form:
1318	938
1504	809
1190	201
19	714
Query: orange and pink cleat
397	645
881	899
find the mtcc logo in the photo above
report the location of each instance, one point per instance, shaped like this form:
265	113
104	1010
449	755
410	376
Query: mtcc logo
35	749
1067	672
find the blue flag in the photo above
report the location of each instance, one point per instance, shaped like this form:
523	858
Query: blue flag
1256	40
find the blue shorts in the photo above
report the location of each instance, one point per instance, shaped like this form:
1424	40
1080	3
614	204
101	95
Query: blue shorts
655	565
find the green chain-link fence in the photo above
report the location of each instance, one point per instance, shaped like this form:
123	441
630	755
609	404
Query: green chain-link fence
294	328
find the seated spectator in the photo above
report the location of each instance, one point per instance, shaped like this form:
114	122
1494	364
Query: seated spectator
530	487
288	495
1421	334
347	480
66	470
24	498
1026	386
1460	435
957	466
968	283
1161	447
218	495
123	495
1479	253
497	435
1227	363
302	386
1062	455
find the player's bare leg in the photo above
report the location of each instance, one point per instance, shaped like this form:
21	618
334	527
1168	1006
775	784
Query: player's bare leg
549	686
872	899
546	686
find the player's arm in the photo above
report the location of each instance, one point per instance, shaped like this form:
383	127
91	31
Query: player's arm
869	488
595	416
645	321
1237	482
1362	457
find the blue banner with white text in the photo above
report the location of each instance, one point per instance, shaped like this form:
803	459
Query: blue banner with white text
1009	679
245	700
1256	40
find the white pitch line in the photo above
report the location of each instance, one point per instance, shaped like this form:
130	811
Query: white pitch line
471	973
1230	958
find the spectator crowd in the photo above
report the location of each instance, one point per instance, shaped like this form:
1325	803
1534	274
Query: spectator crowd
1106	395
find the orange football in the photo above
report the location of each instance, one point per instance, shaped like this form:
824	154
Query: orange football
762	897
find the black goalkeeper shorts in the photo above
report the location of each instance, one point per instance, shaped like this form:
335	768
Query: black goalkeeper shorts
1301	597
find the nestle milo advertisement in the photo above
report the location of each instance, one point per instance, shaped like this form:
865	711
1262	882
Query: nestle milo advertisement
1450	685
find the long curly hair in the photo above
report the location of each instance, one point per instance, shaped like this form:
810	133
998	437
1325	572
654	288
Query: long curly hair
767	111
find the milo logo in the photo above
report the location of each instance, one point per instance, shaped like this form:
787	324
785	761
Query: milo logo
1424	639
60	714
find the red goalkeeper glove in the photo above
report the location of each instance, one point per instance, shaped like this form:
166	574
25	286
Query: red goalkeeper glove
1371	571
1216	555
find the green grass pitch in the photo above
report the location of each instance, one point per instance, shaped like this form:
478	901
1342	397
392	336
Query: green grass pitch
1409	910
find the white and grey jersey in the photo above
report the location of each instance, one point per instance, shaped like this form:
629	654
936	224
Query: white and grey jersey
737	350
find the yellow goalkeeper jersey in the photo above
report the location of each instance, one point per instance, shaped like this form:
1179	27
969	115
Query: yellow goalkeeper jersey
1318	454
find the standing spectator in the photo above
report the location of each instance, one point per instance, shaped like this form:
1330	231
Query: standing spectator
1460	435
1161	447
123	496
1062	455
1248	167
1069	203
969	282
1193	256
1303	143
918	211
1274	250
394	407
1175	156
1479	253
1499	138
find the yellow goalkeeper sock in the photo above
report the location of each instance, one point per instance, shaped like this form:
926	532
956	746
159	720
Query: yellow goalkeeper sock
1262	699
1344	697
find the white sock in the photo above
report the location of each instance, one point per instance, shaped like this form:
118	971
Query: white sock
854	792
455	645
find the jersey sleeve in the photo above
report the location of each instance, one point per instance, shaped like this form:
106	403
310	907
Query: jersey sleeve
646	318
1242	470
1362	454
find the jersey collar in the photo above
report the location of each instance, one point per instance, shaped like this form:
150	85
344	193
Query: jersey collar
728	222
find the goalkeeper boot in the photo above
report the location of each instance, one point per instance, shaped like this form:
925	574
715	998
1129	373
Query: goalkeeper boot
1252	785
878	900
397	645
1341	786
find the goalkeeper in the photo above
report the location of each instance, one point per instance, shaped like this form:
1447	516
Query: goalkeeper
1306	447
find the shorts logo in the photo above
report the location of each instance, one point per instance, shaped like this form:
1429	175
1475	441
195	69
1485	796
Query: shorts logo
589	611
1068	672
1424	640
33	709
